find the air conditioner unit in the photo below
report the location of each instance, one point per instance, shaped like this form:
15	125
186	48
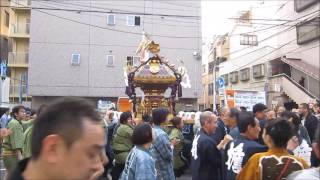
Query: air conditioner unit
258	71
234	77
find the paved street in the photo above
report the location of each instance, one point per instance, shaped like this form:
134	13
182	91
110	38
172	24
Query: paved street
2	170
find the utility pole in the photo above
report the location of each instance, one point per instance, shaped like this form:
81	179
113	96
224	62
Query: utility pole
214	77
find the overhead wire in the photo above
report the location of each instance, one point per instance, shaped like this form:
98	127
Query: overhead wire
274	50
104	8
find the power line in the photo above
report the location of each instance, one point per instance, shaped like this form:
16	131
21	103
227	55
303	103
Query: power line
113	12
120	31
149	22
70	4
96	44
285	44
273	35
182	5
172	9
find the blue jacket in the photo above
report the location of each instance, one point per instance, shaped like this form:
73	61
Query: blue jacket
206	158
163	154
139	165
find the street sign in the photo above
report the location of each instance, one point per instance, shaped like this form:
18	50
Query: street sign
221	82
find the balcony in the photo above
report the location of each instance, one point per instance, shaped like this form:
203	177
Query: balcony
20	30
18	59
20	4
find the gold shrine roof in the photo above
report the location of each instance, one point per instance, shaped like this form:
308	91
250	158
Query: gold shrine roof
154	73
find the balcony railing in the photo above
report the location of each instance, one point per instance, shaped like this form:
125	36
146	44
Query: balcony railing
18	59
17	90
20	29
21	3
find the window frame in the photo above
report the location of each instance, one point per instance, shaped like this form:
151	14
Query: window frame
113	57
262	69
7	19
300	25
72	58
134	20
249	39
305	6
245	71
234	74
114	19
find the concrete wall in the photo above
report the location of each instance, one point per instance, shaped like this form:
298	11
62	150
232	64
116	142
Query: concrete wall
53	40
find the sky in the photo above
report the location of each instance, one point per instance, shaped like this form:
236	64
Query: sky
215	18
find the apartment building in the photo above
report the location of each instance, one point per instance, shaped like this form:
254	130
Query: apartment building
81	48
275	48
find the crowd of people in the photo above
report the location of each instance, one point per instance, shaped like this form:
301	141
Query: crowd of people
70	139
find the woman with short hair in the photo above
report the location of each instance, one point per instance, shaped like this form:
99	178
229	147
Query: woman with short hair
176	134
139	164
122	143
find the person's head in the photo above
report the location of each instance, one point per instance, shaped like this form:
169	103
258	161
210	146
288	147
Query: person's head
316	108
293	118
304	109
270	115
159	115
28	113
146	118
142	135
33	114
259	111
277	133
248	125
67	140
280	110
7	111
243	109
18	113
233	117
316	144
177	122
208	122
126	118
224	115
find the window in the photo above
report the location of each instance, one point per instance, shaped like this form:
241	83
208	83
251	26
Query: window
75	59
308	31
245	17
111	19
300	5
133	20
210	89
226	79
247	39
133	60
234	77
204	69
4	48
245	74
258	71
211	67
7	19
110	60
